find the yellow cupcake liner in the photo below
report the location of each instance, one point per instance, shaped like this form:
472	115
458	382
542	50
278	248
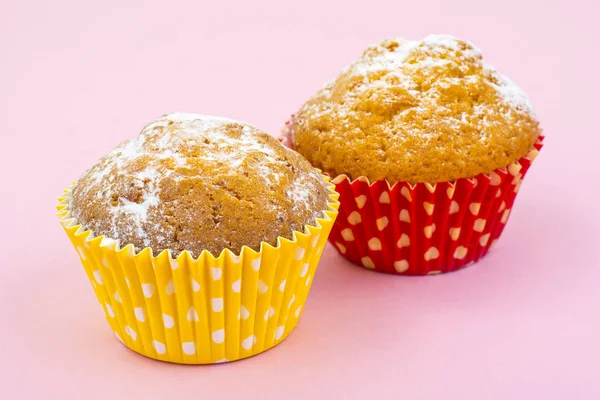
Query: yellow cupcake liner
205	310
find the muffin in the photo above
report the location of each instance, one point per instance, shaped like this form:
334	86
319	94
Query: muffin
427	145
200	237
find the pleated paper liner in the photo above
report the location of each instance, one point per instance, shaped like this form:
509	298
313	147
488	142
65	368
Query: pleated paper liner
205	310
423	228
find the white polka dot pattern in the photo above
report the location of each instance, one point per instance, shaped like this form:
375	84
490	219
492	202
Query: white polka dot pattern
514	169
249	342
367	262
270	312
454	213
217	304
341	247
404	241
98	277
431	254
454	207
348	235
148	289
170	289
382	223
401	266
384	198
139	314
428	207
354	218
483	240
304	270
428	231
216	273
361	200
189	348
460	252
218	336
192	315
374	244
533	153
479	225
244	313
502	206
159	347
192	300
262	287
450	191
315	240
517	187
279	332
299	254
474	208
256	264
416	229
406	193
131	332
495	179
168	321
109	310
454	233
404	216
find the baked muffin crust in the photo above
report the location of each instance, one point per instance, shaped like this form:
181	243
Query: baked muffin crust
192	182
416	111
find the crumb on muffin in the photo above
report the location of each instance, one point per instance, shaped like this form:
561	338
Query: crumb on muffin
192	182
416	111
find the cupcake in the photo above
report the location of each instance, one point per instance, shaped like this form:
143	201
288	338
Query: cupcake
427	145
200	237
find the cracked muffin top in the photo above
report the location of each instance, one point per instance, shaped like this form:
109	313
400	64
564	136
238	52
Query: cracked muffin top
416	111
193	182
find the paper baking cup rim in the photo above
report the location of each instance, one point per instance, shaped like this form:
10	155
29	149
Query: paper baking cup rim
529	157
71	224
531	154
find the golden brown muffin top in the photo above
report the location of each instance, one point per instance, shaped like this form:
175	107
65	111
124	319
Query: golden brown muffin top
416	111
192	182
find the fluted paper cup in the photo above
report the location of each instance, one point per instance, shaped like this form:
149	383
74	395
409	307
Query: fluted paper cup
423	228
201	310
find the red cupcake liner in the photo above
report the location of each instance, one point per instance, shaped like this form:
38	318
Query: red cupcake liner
423	228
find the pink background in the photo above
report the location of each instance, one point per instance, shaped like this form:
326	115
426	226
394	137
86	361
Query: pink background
78	78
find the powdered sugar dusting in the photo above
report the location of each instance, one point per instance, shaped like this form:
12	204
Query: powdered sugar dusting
133	181
388	60
511	93
412	103
438	42
400	61
405	64
299	193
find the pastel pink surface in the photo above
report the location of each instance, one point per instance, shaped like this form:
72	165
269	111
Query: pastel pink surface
78	78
